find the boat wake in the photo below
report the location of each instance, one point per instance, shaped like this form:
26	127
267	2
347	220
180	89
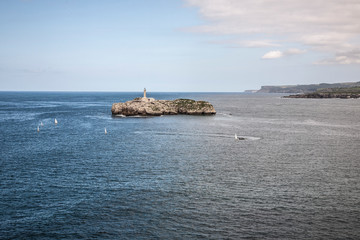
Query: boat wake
210	135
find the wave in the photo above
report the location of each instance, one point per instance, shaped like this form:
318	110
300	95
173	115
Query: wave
103	117
16	116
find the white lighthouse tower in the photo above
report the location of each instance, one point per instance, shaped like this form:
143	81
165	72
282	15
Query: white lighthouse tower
146	99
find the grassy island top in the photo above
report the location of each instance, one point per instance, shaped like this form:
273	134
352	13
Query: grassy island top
191	104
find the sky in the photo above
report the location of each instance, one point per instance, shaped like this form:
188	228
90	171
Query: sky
176	45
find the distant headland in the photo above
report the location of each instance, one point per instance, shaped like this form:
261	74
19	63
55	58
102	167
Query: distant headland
150	107
322	90
304	88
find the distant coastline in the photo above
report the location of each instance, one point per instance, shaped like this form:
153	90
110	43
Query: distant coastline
352	92
304	88
322	90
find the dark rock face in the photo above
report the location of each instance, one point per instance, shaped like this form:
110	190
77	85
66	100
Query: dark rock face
162	107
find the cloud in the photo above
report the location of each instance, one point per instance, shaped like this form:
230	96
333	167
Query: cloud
250	44
273	54
351	57
328	26
279	54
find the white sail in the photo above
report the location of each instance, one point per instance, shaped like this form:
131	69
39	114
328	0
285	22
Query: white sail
38	129
41	124
105	131
56	121
236	137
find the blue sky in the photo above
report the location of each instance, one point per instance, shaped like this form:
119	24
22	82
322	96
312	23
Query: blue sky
175	45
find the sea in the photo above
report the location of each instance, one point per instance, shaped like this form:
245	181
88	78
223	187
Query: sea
295	176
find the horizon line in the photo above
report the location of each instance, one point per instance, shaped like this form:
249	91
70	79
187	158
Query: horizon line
121	91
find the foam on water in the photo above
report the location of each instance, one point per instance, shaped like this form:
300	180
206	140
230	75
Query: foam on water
192	134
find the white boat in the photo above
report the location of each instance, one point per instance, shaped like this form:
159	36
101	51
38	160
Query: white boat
56	122
38	129
239	138
41	124
105	131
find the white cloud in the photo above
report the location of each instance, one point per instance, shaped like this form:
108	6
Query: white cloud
328	26
279	54
273	54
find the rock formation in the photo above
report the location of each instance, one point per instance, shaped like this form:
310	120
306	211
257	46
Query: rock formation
145	106
351	92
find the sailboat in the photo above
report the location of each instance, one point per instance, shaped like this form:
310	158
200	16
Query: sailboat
56	122
236	137
41	124
38	129
105	131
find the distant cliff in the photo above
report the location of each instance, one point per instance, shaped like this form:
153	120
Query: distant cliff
152	107
306	88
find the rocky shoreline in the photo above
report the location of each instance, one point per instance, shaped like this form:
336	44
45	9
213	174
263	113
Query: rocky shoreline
151	107
325	95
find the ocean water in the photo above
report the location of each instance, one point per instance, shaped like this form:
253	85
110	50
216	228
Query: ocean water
296	176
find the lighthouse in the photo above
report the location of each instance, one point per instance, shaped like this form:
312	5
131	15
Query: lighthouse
145	99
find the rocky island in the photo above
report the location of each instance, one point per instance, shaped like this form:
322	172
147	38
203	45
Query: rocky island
150	107
350	92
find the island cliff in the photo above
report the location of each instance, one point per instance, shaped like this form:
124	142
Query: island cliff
162	107
151	107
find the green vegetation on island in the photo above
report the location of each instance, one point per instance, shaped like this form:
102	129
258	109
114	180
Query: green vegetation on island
191	104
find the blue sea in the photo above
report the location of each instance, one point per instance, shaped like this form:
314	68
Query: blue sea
295	176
